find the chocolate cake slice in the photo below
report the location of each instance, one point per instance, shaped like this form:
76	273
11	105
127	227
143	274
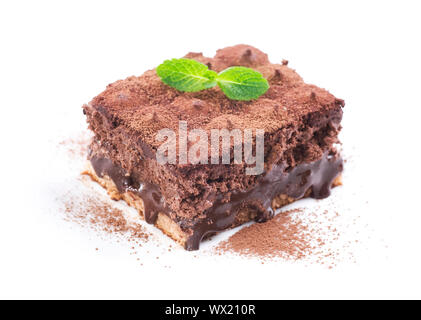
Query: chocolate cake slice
189	201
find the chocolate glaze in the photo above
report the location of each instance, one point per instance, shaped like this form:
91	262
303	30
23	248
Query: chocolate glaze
318	175
153	202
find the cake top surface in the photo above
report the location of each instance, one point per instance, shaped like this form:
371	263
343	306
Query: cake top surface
146	105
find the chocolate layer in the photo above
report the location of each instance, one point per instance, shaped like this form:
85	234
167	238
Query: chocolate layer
316	176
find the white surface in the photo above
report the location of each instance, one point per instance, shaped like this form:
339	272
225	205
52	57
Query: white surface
54	57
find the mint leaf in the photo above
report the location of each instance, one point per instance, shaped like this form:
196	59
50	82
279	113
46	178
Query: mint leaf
186	75
241	83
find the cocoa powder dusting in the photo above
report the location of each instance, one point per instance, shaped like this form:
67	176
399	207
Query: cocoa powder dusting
92	212
77	147
287	236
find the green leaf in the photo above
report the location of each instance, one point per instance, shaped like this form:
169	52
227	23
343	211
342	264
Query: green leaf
240	83
186	75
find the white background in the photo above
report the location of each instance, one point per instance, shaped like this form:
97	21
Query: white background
55	56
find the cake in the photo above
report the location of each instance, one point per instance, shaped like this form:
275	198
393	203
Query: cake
191	201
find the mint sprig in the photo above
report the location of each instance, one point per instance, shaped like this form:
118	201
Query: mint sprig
238	83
